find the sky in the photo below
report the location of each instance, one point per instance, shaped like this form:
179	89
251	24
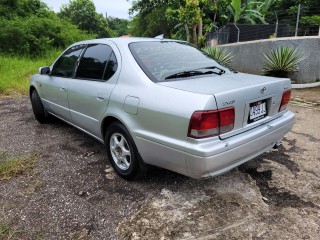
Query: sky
114	8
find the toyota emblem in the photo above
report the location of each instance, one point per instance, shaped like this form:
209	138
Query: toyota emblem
263	90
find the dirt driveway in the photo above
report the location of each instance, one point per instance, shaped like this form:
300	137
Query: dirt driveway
72	193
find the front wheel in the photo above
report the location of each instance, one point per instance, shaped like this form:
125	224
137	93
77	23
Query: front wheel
122	151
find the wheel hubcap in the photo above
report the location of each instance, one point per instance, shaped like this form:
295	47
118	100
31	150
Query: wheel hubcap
120	151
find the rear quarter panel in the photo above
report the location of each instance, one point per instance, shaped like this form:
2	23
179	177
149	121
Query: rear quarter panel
163	113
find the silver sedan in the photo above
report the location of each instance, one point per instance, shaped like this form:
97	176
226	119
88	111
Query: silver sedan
164	103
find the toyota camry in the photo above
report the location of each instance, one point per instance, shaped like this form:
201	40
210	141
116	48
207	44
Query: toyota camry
165	103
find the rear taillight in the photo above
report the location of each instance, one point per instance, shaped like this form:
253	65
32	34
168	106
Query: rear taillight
226	120
285	100
211	123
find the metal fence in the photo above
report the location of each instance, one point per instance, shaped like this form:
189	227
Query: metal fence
281	27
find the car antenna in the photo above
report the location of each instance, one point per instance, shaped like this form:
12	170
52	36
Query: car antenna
159	36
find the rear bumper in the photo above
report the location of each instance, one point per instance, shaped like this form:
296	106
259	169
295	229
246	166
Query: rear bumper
212	160
209	157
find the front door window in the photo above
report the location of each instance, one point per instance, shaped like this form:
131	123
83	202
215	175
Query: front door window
65	65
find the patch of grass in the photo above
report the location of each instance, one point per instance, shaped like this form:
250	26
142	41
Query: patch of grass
13	166
15	71
6	232
3	229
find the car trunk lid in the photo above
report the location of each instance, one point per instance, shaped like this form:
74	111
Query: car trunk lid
248	94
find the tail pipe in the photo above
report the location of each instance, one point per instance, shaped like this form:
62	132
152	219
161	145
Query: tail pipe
277	144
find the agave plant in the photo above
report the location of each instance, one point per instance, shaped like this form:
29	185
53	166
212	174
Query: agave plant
222	55
282	61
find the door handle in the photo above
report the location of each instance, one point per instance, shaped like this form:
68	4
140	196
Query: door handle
101	99
63	89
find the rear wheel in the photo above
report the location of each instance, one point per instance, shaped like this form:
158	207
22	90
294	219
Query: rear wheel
122	152
38	110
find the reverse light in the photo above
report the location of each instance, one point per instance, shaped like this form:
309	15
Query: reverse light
285	100
205	124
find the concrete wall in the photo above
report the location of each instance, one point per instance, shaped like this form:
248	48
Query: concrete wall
248	56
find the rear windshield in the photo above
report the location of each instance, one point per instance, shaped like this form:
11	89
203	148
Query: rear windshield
162	59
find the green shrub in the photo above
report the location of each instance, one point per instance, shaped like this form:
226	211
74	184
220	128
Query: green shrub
282	61
222	55
202	42
34	35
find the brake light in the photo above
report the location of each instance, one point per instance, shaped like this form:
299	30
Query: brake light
285	100
205	124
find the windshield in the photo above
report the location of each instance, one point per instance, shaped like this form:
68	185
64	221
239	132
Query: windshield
162	60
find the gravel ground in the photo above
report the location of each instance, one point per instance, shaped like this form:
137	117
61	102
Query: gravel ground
74	194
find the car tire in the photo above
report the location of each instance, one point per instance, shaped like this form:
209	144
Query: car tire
38	110
122	151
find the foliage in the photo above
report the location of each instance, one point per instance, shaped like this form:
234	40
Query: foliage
282	61
272	36
33	35
221	13
16	70
250	11
30	28
10	9
186	19
151	19
290	7
180	18
287	10
190	15
201	42
235	10
82	13
311	20
222	55
118	26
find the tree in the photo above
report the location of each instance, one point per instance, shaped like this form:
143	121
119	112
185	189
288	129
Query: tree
150	19
83	14
29	27
190	15
10	9
189	19
310	21
249	12
118	26
309	11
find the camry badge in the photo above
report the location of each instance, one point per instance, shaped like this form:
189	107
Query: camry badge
228	102
263	90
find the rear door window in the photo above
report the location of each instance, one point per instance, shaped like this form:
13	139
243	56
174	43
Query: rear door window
97	63
111	67
65	65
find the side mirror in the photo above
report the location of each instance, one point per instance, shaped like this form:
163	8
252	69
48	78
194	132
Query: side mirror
44	70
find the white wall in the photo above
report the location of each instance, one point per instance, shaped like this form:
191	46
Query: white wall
248	56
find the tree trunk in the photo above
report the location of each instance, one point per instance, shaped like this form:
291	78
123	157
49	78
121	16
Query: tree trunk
216	10
194	31
200	28
186	28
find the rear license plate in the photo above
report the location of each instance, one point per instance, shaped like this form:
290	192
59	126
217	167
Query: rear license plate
258	110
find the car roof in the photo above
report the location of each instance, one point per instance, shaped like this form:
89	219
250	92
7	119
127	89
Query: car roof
124	40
